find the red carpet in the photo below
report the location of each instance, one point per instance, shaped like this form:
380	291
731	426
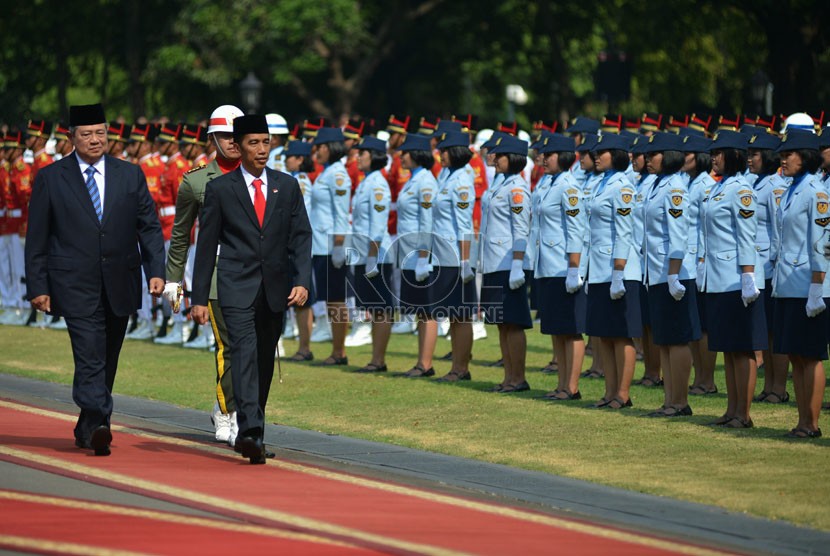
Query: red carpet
285	496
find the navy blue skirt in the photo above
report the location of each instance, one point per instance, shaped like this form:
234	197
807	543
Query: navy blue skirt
500	304
673	322
374	293
312	290
645	317
733	327
450	297
608	318
331	282
797	334
769	306
534	291
415	296
561	312
701	310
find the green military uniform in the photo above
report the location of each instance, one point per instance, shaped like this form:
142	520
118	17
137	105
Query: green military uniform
189	202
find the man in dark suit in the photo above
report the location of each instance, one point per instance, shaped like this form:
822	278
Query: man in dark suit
256	217
92	224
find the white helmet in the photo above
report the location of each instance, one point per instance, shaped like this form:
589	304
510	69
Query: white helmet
221	120
799	120
276	124
523	135
482	137
383	135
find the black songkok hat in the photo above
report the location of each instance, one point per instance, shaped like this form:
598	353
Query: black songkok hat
86	114
251	123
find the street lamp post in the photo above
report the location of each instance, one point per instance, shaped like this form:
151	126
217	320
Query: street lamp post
251	90
516	95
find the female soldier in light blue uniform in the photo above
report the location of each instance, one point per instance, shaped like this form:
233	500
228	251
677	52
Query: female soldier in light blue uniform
330	216
505	227
769	186
727	274
799	274
672	299
561	226
413	244
370	242
613	315
453	289
697	166
298	161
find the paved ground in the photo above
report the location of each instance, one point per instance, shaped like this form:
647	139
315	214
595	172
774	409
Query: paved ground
472	479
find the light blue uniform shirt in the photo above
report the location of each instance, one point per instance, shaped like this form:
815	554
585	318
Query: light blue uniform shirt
276	159
415	202
642	187
370	216
666	217
730	223
562	226
699	190
452	217
329	207
588	187
505	223
803	226
768	192
305	187
533	240
610	223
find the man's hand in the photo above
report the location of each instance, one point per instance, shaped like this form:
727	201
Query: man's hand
156	287
173	294
298	297
200	314
42	303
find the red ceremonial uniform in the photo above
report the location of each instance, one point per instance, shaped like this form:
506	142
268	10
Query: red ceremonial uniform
397	176
42	160
4	186
318	169
153	169
480	184
20	178
354	173
175	169
535	175
436	166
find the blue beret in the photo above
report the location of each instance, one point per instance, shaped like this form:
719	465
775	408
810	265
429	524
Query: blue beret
611	141
638	144
445	126
328	135
510	145
583	125
588	142
556	143
662	141
695	144
540	141
761	140
797	139
415	142
453	139
686	131
372	144
729	140
298	148
490	143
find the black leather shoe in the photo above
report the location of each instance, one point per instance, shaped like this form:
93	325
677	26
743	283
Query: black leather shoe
270	455
100	440
251	448
83	443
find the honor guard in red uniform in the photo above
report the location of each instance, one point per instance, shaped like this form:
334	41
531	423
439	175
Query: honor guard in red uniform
63	146
767	122
16	183
651	123
310	128
118	134
20	176
540	128
397	176
469	124
428	127
177	165
193	145
37	134
701	122
353	132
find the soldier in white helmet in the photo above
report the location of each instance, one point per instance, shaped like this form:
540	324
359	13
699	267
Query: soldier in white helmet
278	128
188	204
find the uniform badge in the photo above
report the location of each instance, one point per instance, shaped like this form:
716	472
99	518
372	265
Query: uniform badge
746	213
426	205
573	212
338	181
378	196
677	200
823	222
427	197
380	208
462	206
821	207
573	201
517	197
746	200
822	196
676	213
571	191
464	196
624	211
626	197
340	192
517	210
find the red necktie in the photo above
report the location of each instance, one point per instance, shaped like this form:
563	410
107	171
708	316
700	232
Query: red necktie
259	201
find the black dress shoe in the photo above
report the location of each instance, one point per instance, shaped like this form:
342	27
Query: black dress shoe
251	448
270	455
100	440
83	443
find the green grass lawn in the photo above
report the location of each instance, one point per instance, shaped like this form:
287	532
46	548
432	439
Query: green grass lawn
756	471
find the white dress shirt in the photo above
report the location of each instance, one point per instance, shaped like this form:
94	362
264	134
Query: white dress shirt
99	175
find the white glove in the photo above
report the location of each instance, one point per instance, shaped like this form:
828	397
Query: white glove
815	304
676	289
617	286
573	281
517	274
749	292
338	256
372	269
422	269
701	272
173	294
467	272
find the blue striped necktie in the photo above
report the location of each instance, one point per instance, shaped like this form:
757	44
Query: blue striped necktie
92	187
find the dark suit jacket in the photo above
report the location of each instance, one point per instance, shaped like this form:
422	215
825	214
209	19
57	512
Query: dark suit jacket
70	256
250	256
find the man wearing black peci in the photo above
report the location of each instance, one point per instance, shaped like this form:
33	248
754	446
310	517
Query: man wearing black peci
83	261
257	219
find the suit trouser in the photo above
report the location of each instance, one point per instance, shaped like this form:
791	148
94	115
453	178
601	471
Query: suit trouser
253	333
96	344
224	380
